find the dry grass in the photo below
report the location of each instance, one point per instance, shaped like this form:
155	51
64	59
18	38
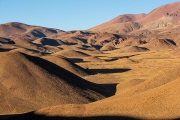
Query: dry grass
149	90
52	73
29	83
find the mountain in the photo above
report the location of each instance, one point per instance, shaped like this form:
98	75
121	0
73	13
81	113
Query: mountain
29	83
126	68
155	98
14	29
169	10
70	66
121	19
140	30
160	17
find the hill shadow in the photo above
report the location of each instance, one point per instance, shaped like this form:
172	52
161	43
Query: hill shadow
5	50
7	41
48	41
32	116
176	118
121	57
104	71
75	60
105	89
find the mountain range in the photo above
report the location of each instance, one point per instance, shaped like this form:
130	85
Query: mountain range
125	68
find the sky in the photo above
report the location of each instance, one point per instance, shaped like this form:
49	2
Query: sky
72	14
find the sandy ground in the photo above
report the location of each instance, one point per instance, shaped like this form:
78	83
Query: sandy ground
127	68
147	87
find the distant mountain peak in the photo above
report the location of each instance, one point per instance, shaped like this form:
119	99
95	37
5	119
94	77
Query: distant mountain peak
160	17
170	10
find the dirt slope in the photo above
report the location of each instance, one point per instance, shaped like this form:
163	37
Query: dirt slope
29	83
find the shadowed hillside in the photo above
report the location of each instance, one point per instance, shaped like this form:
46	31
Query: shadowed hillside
22	75
126	68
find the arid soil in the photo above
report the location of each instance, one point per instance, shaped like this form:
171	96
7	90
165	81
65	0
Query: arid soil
126	68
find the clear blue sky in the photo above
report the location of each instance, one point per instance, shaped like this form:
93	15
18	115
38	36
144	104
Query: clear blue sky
72	14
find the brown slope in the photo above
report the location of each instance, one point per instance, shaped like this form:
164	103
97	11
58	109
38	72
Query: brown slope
104	40
6	44
38	32
121	19
72	37
150	42
171	10
28	83
160	44
71	53
48	41
25	45
127	18
159	103
162	22
6	41
64	63
161	17
107	47
122	28
156	98
14	29
129	49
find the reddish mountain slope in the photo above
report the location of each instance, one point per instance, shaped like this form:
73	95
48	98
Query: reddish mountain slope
172	10
121	19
